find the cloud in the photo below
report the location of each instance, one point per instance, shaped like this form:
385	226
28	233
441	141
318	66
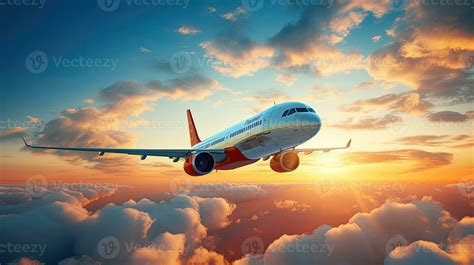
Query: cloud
430	53
12	133
211	10
165	249
378	9
287	79
144	50
305	44
366	237
423	160
343	24
234	15
294	206
204	256
406	102
25	261
369	123
449	116
458	141
376	38
421	252
183	30
390	32
232	192
164	232
88	101
81	260
33	119
214	212
236	55
249	260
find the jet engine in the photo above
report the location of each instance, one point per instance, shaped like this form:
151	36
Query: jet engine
285	161
199	164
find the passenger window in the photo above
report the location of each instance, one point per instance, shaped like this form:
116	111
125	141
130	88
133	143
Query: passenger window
291	111
285	113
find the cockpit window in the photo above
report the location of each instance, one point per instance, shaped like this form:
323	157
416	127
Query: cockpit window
311	110
291	112
285	113
302	109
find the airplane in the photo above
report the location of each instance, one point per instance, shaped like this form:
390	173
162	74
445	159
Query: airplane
273	133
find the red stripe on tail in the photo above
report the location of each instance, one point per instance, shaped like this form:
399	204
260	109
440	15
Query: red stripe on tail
193	135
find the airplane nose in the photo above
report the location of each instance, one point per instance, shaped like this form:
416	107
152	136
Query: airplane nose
311	123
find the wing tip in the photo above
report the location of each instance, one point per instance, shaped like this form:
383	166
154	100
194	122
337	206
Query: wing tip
27	145
349	143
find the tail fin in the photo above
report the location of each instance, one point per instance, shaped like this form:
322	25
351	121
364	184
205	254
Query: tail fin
193	135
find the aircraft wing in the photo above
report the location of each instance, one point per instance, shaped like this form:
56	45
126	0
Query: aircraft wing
171	153
308	151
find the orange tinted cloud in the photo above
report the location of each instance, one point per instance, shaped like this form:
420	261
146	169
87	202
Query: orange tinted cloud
432	52
450	116
438	140
422	159
237	56
12	133
411	103
369	122
188	30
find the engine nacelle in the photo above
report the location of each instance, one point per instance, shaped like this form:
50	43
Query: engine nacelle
199	164
285	162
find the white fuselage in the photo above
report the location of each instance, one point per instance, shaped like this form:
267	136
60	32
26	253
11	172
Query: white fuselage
269	131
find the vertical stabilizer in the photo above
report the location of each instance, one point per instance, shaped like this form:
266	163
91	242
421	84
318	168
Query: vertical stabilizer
193	135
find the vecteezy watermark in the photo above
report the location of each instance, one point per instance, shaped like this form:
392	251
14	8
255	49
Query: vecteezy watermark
108	247
398	5
322	187
256	5
181	62
33	125
394	242
37	62
298	247
32	3
253	246
448	3
36	186
466	186
112	5
180	185
24	249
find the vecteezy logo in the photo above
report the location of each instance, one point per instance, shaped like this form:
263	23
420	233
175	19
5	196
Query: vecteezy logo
394	242
36	186
180	185
108	5
36	62
397	125
252	246
252	5
181	62
109	247
398	5
466	186
323	186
